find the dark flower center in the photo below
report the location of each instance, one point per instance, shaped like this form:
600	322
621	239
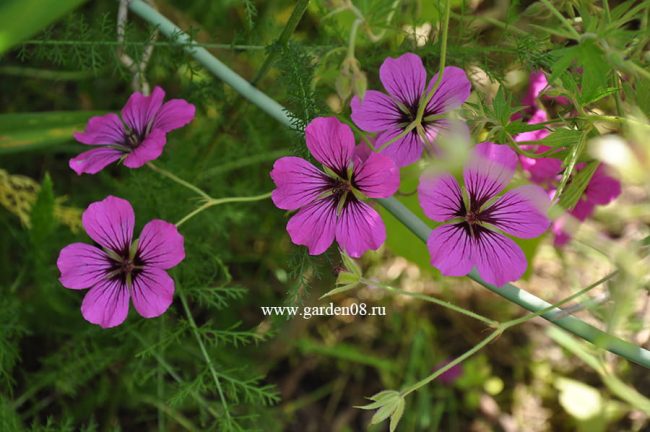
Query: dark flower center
124	267
341	188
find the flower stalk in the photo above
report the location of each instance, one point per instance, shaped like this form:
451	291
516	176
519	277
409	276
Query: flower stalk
418	227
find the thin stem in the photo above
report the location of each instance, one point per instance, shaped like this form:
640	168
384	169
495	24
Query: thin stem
562	19
168	368
204	351
420	229
178	180
441	67
495	334
294	19
214	202
498	331
431	299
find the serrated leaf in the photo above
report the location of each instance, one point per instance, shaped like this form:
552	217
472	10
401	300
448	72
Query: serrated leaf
594	71
562	137
565	57
577	186
501	107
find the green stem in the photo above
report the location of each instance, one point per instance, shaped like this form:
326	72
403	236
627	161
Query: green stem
431	299
214	202
405	216
168	368
294	19
500	328
495	334
205	353
178	180
441	67
562	19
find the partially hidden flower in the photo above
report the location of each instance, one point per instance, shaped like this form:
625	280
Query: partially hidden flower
451	375
118	269
137	138
404	79
475	219
541	170
601	190
331	203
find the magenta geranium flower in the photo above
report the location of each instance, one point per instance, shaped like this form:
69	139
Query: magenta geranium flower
117	268
331	204
475	220
541	170
137	138
404	79
601	190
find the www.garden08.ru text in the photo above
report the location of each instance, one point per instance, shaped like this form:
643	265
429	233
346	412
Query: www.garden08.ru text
355	309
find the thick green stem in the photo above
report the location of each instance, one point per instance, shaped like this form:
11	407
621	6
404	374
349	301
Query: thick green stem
508	291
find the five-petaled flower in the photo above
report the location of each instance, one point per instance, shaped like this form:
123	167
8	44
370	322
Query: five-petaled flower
474	221
331	204
137	138
117	268
404	78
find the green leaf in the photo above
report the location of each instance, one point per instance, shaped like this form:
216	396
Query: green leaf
564	58
562	137
397	415
31	131
594	71
501	107
577	186
350	264
20	19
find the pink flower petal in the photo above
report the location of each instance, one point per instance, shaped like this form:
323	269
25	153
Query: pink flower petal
360	229
440	197
149	149
102	130
405	150
298	183
488	172
314	226
404	78
453	91
377	176
161	245
82	266
95	160
106	304
450	248
174	114
152	292
497	258
330	142
602	188
521	212
140	111
375	113
536	84
110	223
